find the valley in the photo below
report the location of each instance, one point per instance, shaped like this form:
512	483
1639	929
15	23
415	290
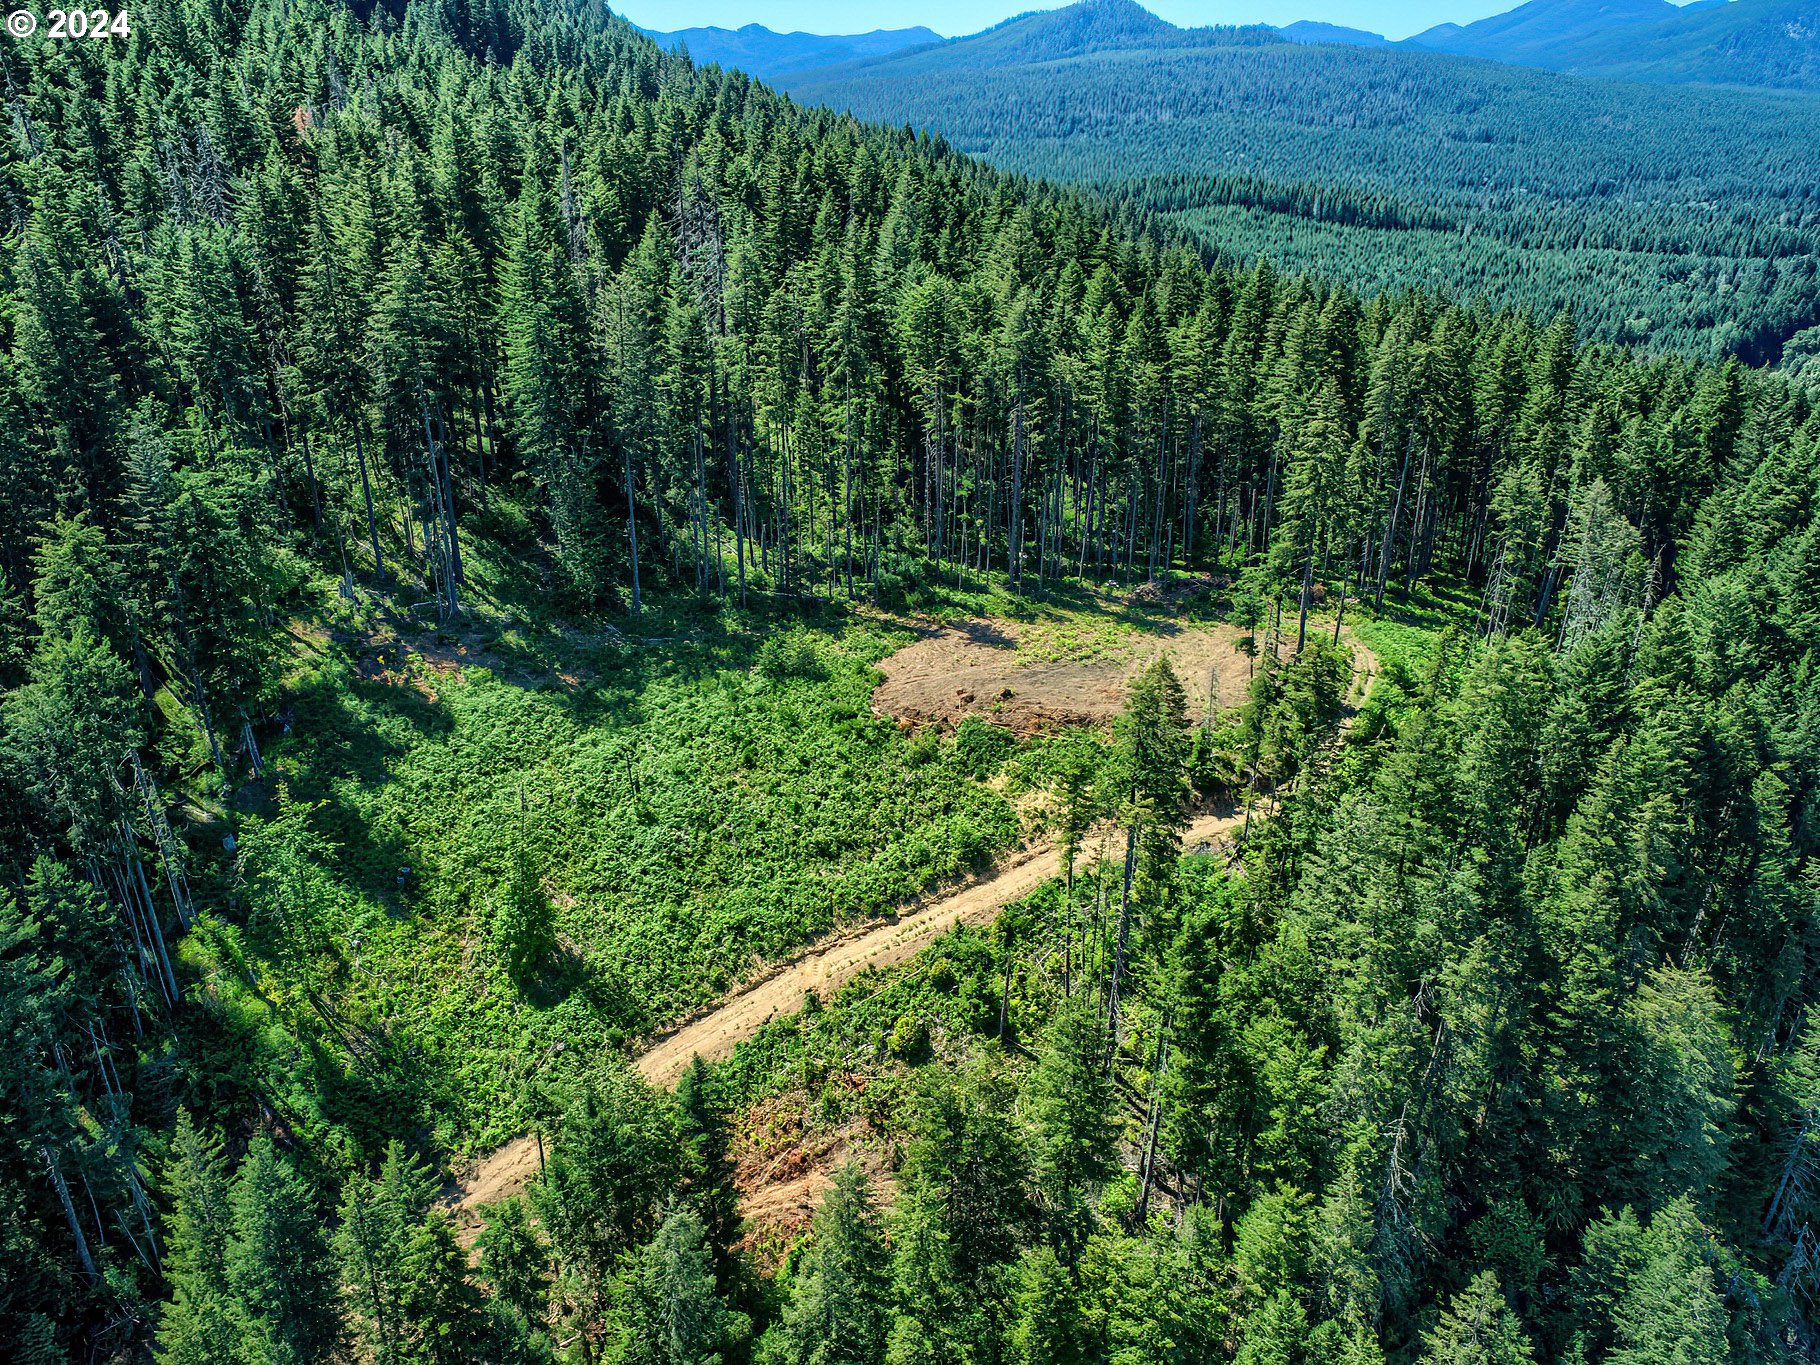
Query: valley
1668	218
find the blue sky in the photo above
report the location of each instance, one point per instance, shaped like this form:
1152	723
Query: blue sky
1397	18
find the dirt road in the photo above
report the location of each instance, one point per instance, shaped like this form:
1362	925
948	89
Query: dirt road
828	966
825	968
831	965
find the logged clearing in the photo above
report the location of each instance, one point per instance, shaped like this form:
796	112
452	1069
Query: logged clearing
834	962
1059	678
824	969
1042	677
1027	677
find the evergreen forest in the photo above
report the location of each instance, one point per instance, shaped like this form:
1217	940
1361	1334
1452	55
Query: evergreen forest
1670	217
466	473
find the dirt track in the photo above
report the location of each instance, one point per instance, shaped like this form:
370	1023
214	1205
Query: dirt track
831	965
834	961
825	969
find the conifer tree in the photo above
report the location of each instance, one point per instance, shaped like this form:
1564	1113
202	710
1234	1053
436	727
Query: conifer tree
708	1179
515	1262
1070	1105
666	1309
378	1218
548	388
615	1159
1478	1328
1669	1308
279	1268
839	1310
1048	1326
199	1327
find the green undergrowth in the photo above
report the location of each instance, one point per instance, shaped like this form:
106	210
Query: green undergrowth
677	812
861	1053
481	857
1405	637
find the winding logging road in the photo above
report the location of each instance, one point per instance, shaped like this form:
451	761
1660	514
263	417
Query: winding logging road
824	968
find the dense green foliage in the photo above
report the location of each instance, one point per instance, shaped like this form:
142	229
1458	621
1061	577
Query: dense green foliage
1673	218
458	464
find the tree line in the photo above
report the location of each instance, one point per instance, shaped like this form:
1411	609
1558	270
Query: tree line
1677	219
323	285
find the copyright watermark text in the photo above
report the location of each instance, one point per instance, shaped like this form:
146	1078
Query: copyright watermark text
61	24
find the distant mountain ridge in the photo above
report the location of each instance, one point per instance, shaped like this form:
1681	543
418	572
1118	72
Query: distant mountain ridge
1771	43
760	52
1534	32
1081	29
1774	44
1315	31
1640	205
1768	43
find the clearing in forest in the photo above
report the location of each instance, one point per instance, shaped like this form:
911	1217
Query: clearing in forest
835	961
1039	677
780	990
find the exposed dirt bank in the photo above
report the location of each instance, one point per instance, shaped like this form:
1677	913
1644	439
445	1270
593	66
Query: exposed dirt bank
1032	678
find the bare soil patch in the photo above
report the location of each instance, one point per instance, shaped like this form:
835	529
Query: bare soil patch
1037	678
782	1168
502	1173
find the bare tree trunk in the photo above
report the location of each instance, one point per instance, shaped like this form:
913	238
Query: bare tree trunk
1118	956
366	493
1156	1122
61	1185
155	930
1162	496
1390	531
309	473
737	475
1790	1168
632	532
1410	565
1301	627
1014	551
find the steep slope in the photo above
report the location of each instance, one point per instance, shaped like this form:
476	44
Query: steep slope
1667	217
758	51
1769	43
1533	33
359	370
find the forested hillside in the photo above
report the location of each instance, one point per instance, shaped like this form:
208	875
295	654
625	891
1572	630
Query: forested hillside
1768	43
461	465
759	52
1672	218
